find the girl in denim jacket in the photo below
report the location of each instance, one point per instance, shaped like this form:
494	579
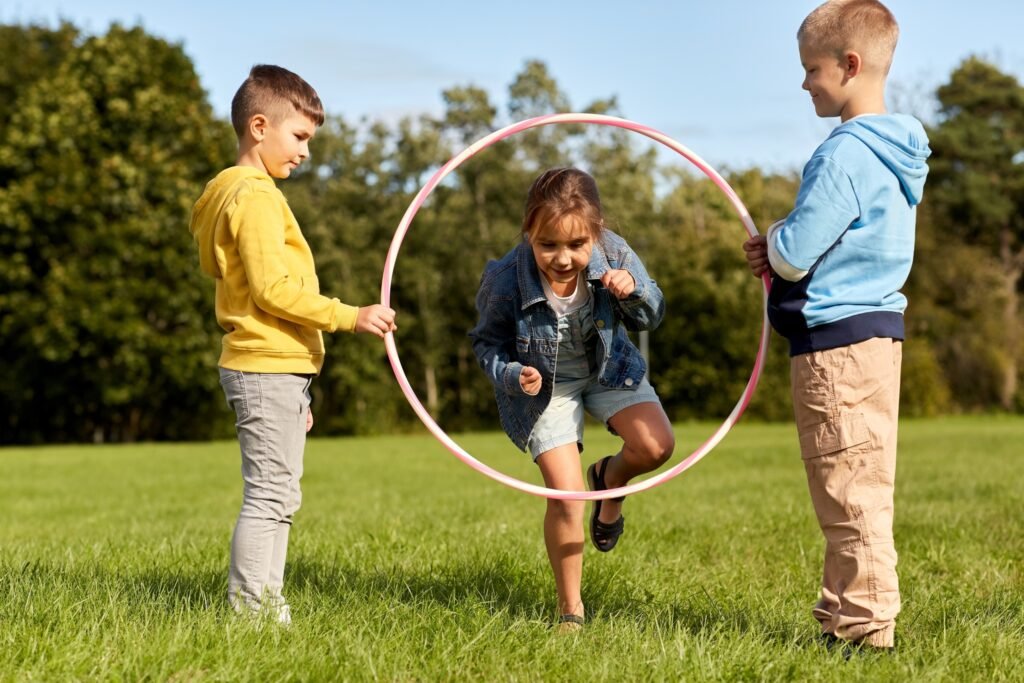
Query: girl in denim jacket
552	338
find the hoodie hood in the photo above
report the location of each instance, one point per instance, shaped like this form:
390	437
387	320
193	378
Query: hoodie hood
210	208
900	142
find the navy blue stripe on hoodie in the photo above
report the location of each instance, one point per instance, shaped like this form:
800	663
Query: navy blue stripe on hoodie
845	251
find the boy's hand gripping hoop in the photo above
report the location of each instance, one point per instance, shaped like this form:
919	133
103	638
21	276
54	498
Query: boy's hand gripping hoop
435	429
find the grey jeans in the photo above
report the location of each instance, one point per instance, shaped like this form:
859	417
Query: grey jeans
271	411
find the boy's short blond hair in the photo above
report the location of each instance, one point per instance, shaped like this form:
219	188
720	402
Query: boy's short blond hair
863	26
274	92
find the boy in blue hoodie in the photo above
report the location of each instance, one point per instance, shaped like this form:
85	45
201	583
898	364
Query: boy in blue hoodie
838	262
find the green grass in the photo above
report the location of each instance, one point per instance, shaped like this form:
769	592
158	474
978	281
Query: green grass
407	565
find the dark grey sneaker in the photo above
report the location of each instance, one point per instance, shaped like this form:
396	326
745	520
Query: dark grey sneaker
849	648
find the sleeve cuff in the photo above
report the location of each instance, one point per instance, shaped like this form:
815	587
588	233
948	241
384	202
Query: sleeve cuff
344	317
512	372
781	267
639	289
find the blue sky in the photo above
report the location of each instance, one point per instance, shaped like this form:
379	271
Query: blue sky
722	76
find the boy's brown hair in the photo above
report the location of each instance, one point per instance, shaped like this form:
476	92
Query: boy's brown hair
559	193
863	26
269	90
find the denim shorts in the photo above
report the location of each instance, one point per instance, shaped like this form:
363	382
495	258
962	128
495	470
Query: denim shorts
562	422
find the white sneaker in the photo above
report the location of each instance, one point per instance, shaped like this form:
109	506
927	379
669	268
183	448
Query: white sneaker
272	610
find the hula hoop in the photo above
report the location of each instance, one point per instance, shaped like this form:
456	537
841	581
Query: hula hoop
440	434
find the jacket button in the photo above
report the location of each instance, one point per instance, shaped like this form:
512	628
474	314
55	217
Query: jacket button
600	323
629	381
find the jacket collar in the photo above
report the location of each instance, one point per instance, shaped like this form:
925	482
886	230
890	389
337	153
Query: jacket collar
531	291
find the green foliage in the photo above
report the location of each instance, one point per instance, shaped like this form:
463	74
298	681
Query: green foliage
105	323
955	313
976	173
31	53
107	327
474	216
924	392
976	188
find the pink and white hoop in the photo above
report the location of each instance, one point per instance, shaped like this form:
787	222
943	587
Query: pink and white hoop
435	429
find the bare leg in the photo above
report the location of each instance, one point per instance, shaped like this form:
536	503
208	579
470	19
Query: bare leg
563	525
647	443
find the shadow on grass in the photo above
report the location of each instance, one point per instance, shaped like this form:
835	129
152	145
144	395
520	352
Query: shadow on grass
697	609
501	585
497	584
183	588
171	590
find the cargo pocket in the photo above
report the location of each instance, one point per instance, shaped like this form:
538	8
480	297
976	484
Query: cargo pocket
839	434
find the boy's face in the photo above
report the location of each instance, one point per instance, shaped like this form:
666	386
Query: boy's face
285	143
825	78
562	251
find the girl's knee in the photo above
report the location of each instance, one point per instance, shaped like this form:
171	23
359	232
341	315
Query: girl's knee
662	451
656	449
566	510
667	447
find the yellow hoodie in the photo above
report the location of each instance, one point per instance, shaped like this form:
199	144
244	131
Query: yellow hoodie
268	296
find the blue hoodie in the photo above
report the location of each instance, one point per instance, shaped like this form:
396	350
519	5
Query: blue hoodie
845	251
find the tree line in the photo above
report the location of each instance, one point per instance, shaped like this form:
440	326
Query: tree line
107	329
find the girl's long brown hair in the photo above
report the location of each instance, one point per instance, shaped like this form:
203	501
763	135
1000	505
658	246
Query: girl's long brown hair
559	193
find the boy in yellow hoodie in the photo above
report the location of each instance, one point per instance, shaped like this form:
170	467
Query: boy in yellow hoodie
268	301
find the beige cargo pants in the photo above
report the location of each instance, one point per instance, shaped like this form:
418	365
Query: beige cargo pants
846	403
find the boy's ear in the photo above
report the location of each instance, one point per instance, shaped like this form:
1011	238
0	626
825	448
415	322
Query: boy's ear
258	125
853	64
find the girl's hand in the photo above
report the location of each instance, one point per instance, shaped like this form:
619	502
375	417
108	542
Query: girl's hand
530	380
309	419
619	282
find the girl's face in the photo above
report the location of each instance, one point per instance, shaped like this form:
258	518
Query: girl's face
562	251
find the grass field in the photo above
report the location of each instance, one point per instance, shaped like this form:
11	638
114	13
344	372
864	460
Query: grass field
407	565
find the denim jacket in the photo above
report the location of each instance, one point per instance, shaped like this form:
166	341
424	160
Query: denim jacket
518	328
